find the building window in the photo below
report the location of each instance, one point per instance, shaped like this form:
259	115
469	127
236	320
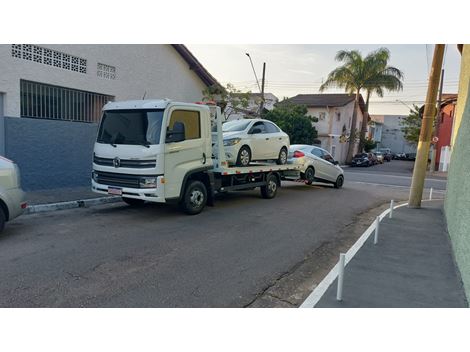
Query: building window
106	71
44	101
338	116
190	120
333	150
49	57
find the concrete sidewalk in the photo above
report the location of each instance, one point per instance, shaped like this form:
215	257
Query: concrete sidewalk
411	266
59	195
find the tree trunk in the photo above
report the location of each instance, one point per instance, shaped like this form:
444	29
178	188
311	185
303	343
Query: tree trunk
352	133
365	121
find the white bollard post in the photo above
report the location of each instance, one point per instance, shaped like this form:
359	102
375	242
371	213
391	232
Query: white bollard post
339	291
376	235
392	203
430	194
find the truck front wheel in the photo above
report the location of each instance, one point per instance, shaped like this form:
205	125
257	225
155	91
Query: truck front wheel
270	189
194	198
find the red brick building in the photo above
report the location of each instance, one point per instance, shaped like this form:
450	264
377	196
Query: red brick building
444	124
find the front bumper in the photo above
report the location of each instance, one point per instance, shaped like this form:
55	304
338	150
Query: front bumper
156	195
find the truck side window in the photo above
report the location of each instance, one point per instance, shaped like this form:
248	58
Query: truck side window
191	121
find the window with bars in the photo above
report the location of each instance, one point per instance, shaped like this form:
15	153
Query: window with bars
46	101
49	57
106	71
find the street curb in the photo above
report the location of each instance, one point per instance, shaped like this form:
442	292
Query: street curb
82	203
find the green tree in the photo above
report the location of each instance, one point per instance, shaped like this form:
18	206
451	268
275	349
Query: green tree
411	125
293	120
230	99
369	144
370	73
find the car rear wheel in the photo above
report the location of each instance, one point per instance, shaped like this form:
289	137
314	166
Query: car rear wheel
3	219
339	181
244	156
309	175
133	202
282	158
194	198
270	189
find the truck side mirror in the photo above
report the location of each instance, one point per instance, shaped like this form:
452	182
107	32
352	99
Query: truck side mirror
177	134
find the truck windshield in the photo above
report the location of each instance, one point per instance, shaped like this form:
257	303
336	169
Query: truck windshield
135	127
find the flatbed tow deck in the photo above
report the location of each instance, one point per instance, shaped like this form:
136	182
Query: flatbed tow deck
255	175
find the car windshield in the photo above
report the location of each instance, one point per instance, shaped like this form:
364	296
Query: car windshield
235	126
135	127
362	155
378	153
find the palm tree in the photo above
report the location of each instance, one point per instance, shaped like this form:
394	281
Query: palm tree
370	73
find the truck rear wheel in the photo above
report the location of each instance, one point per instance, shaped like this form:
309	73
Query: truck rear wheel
270	189
194	198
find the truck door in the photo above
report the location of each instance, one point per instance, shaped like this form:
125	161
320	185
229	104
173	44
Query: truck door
185	155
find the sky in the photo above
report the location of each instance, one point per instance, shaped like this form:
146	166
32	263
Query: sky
300	69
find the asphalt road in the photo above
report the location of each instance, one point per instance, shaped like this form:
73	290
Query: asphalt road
395	173
154	256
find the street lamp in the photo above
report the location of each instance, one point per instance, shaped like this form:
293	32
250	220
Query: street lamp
257	82
261	107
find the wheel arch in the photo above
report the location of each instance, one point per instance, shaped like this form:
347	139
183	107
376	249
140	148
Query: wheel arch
4	207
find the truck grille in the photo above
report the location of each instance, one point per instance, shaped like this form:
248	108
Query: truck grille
119	180
134	164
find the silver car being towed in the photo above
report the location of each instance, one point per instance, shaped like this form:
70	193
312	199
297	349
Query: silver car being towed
12	203
317	165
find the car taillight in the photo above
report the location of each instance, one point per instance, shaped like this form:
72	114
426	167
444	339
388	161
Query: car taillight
298	154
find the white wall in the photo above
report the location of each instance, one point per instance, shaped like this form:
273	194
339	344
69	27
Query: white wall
157	69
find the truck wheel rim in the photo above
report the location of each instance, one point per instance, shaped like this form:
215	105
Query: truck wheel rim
196	198
272	187
244	157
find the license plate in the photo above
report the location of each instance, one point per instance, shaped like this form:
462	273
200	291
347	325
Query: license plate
115	191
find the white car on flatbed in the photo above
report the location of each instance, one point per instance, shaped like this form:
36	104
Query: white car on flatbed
248	140
162	151
12	202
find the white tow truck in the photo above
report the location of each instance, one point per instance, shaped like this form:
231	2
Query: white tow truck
170	152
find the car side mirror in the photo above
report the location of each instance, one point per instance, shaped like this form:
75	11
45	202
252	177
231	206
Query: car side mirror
256	130
177	134
335	162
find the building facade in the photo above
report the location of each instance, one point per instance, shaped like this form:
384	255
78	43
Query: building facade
392	134
443	128
51	98
457	199
334	113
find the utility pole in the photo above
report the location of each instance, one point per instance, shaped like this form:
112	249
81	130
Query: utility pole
419	170
261	107
432	167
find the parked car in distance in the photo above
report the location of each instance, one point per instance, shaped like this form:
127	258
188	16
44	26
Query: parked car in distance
254	140
387	153
362	159
399	156
380	157
410	156
316	165
12	203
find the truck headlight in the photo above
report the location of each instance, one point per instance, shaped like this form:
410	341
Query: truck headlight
94	176
148	182
231	141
